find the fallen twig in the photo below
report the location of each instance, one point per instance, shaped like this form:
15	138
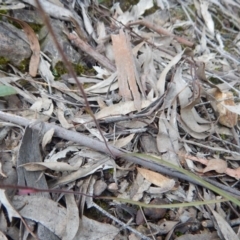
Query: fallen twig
99	146
162	31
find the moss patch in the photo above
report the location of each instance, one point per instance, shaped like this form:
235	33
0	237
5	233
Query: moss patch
125	5
36	27
24	65
60	69
4	64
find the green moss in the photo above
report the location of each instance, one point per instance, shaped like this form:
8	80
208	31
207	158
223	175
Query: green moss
107	3
2	11
110	171
223	136
215	80
151	10
178	233
24	83
60	69
125	4
80	69
4	63
36	27
15	24
93	213
24	65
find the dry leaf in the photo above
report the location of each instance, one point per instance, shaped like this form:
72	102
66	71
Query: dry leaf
56	166
15	5
233	172
63	120
66	90
42	109
44	70
127	74
47	138
164	226
167	139
72	217
226	117
105	85
189	117
95	132
224	227
207	16
142	6
52	215
1	171
34	45
217	165
3	236
155	178
52	9
121	108
123	141
162	78
11	212
137	189
84	171
90	229
87	22
60	154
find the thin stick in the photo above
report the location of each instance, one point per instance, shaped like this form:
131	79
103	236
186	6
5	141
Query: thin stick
162	31
120	222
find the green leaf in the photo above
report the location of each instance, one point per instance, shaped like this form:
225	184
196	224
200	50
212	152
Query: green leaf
6	91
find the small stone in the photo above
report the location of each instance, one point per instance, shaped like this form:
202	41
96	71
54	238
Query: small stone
99	187
113	187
